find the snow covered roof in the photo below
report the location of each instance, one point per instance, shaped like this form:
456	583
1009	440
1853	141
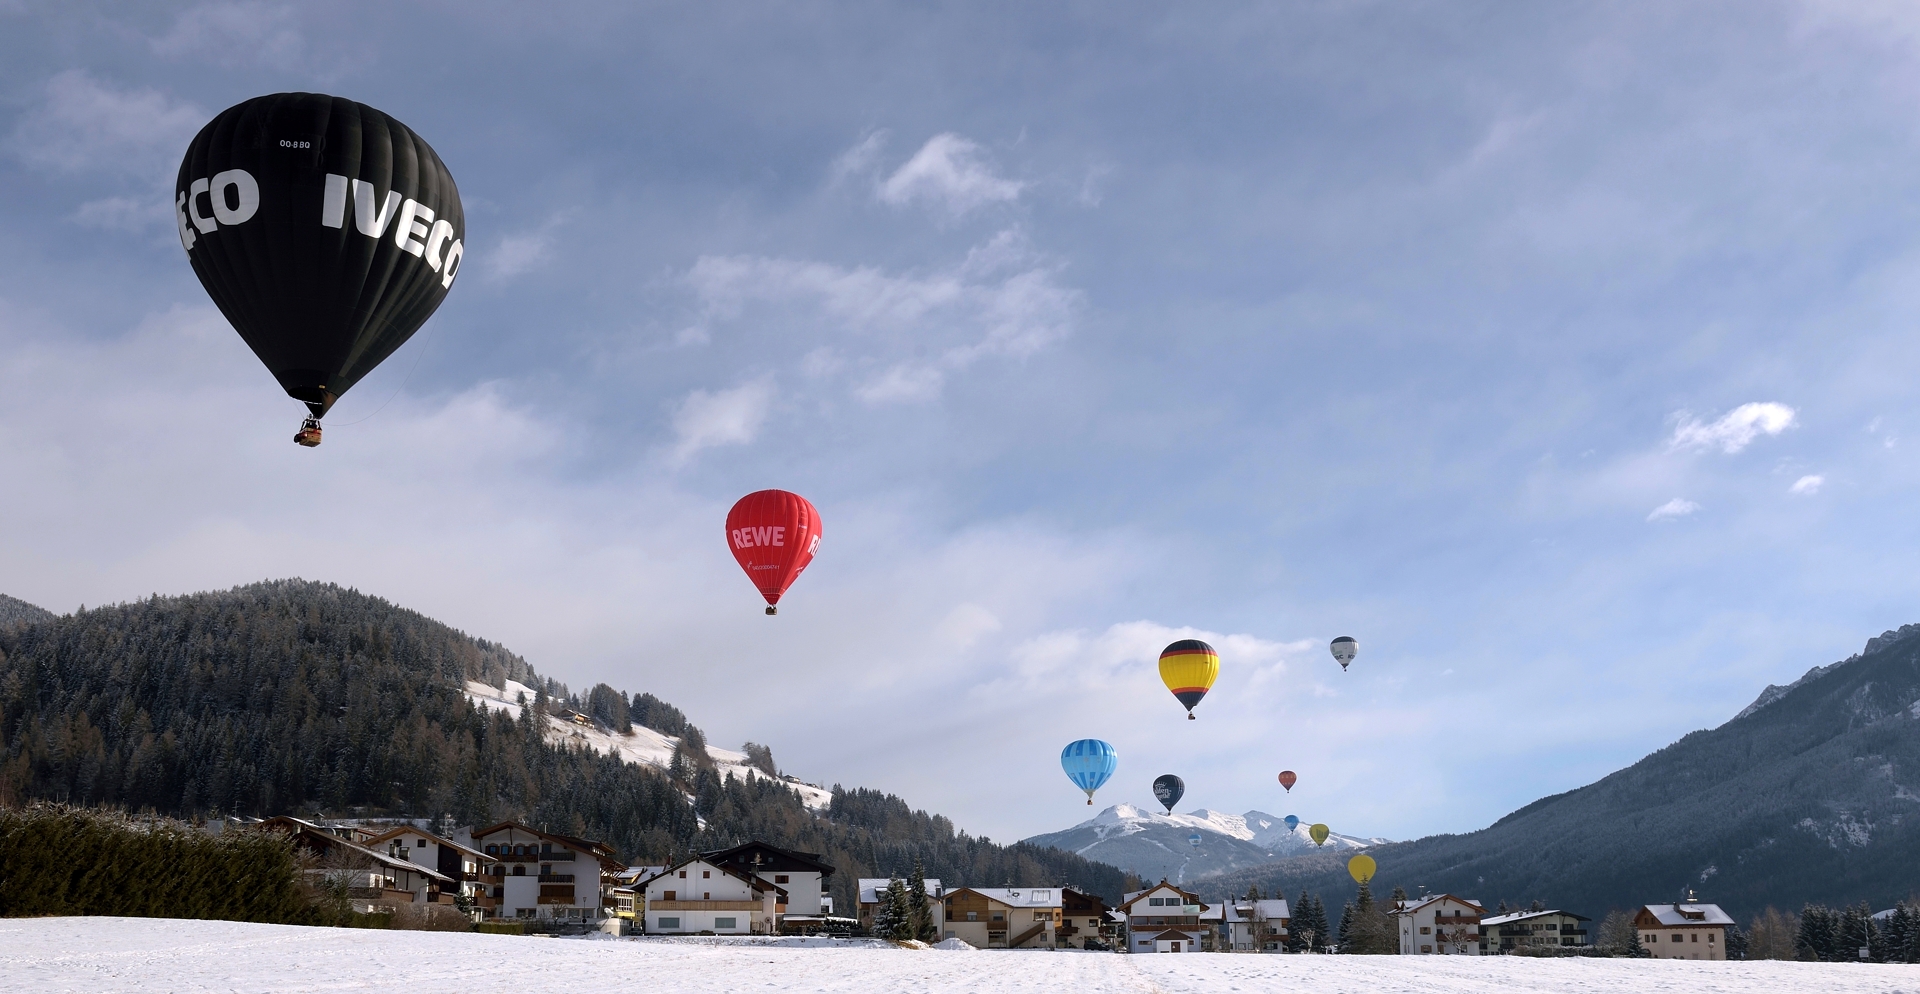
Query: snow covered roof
1689	914
1518	916
870	888
1021	897
1420	903
1267	910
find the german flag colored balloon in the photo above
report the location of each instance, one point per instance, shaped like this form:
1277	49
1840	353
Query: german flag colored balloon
773	535
1188	668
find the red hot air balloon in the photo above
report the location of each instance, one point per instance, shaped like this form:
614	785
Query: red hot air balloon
1287	780
773	534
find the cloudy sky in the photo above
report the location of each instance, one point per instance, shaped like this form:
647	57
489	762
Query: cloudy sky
1561	355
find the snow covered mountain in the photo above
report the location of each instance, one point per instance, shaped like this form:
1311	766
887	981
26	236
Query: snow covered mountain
1154	844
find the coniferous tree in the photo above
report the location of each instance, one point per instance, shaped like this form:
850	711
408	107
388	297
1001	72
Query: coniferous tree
1253	893
920	908
1737	942
1344	931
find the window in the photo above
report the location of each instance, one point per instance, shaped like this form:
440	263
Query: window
704	874
683	874
519	869
1709	936
423	843
1696	937
706	895
546	868
973	916
779	878
725	923
493	850
669	896
669	923
1426	930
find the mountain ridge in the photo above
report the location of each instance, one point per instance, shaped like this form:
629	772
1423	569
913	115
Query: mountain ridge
1157	844
1806	795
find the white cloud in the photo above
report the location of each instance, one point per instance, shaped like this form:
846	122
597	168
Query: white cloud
85	126
861	156
234	34
949	171
1001	301
723	417
1679	507
523	252
1807	485
1734	431
125	213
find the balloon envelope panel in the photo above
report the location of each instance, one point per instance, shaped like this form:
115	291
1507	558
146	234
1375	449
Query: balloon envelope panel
325	231
1088	763
1188	668
773	535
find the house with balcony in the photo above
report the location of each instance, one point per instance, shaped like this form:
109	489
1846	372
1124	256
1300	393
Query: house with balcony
1257	926
873	890
1164	919
630	891
802	875
374	881
1084	919
1002	917
1521	931
459	863
698	897
1683	931
1438	925
531	874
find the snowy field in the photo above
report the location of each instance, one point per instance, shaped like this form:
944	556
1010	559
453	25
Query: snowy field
145	954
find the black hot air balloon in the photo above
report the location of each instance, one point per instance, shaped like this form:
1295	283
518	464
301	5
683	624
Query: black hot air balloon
1168	789
325	231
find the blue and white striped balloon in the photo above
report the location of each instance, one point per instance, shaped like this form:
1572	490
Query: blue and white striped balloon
1089	762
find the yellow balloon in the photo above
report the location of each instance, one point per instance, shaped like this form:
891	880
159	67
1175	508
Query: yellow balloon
1361	868
1319	833
1188	668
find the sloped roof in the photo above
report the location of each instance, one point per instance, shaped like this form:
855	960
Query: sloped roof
1266	910
606	854
1415	904
1188	896
870	887
400	830
1017	897
755	882
319	837
1175	935
1690	913
781	859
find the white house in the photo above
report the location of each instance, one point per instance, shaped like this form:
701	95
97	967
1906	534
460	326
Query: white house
802	875
533	874
1163	919
1257	926
1439	924
872	889
698	896
375	881
1683	931
1521	930
451	859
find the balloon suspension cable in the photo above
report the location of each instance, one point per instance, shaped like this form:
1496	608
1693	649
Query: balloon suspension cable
309	433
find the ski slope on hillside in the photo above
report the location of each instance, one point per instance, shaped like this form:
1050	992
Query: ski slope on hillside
150	954
643	745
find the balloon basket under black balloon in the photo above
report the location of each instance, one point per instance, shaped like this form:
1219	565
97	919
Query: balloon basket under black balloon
309	433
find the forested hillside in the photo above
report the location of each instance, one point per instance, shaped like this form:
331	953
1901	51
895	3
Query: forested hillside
16	611
1810	795
299	697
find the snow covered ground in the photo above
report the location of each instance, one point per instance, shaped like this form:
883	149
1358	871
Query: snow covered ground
644	745
145	954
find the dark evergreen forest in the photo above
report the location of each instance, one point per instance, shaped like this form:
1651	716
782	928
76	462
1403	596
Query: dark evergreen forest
294	697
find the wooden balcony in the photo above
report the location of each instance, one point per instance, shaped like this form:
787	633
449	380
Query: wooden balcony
705	906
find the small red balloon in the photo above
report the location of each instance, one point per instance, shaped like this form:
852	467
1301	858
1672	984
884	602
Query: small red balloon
773	535
1287	780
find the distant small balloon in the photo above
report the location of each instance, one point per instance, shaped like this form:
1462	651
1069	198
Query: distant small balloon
1168	789
1293	822
1194	839
1288	779
1361	868
1344	649
1319	833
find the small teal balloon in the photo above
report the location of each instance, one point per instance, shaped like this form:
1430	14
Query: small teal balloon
1089	762
1293	822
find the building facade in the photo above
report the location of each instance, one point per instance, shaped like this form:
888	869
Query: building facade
699	896
1003	917
1439	925
1683	931
1257	926
873	889
458	863
374	881
1086	921
1163	919
530	874
802	875
1522	930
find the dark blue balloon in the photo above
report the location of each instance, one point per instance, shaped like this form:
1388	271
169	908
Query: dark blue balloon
1168	790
